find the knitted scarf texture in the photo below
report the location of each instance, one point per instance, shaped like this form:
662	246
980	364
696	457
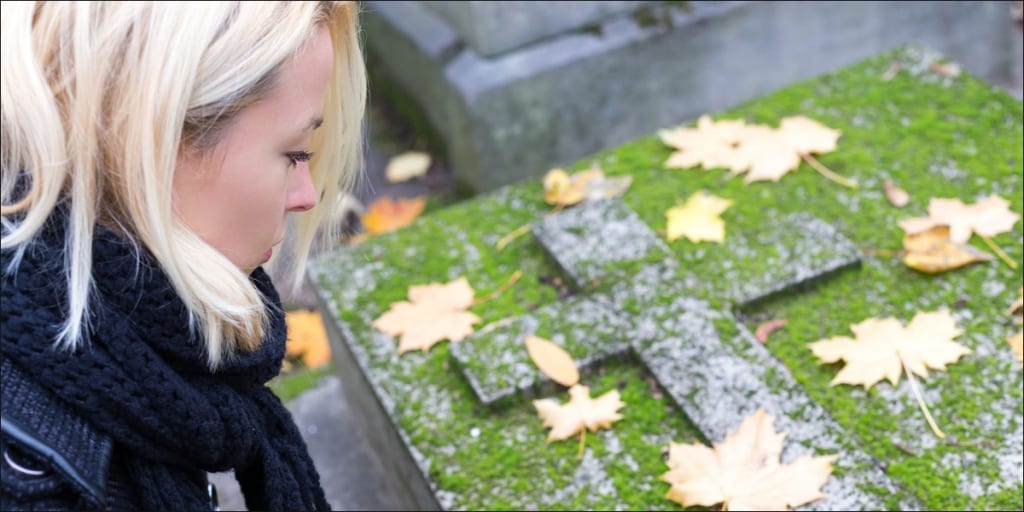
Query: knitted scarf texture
142	379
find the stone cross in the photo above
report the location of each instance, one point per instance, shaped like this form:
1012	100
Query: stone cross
631	303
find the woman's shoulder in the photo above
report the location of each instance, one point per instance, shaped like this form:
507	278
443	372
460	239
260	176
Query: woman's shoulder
51	455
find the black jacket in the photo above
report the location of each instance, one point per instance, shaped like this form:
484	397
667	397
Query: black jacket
53	459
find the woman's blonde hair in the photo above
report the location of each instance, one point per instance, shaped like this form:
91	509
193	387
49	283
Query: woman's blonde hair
99	97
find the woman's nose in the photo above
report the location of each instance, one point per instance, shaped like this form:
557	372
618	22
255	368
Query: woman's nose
301	193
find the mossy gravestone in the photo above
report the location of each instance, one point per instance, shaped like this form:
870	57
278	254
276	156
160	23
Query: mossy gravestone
669	323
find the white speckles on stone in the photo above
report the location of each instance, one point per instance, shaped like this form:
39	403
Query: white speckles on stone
447	499
590	478
993	288
611	442
947	169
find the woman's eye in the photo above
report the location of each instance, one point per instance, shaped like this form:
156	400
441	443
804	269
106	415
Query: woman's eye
298	156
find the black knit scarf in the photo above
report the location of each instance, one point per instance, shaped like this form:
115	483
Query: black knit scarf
142	379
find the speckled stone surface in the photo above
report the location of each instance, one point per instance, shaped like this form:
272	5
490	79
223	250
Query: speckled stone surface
679	343
455	426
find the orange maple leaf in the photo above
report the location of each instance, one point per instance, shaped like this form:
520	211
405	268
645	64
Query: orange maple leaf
386	214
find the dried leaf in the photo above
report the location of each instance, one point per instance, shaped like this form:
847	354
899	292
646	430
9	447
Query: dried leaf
307	338
879	344
588	185
1018	305
1016	342
932	252
806	135
762	152
386	214
767	328
769	157
897	196
698	219
433	313
553	361
743	472
581	412
407	166
988	217
710	144
946	69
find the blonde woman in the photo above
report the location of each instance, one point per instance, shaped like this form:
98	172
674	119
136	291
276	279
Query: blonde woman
152	152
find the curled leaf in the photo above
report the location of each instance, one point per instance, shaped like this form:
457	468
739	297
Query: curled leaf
767	328
932	252
897	196
562	189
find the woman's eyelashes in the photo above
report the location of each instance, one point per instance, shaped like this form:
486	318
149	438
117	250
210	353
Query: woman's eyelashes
298	156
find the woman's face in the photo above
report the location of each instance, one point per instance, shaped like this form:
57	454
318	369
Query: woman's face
237	195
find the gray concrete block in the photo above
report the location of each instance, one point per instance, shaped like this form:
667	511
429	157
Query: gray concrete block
492	28
593	242
515	115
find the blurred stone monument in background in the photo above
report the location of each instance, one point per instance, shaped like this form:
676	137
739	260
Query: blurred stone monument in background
514	88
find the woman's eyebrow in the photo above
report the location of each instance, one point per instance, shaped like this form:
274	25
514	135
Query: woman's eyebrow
315	123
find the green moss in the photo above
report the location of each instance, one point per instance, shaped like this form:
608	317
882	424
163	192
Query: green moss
293	384
934	137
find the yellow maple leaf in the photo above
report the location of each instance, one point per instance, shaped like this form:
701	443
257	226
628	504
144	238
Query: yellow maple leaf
307	338
881	343
552	360
434	312
743	472
580	413
698	219
987	217
386	214
932	251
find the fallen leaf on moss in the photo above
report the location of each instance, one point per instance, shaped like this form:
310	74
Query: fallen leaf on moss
897	196
407	166
762	152
434	312
386	214
767	328
580	413
699	219
307	338
562	189
553	361
1018	305
1016	341
744	472
987	217
932	252
881	343
709	145
946	69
